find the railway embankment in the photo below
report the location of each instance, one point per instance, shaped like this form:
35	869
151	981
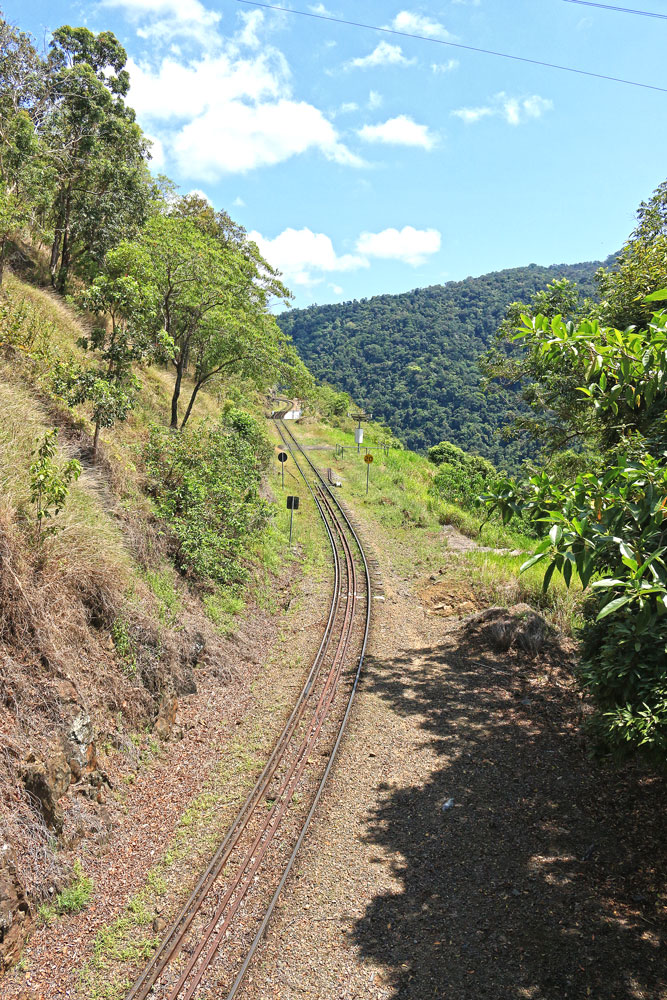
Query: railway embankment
464	842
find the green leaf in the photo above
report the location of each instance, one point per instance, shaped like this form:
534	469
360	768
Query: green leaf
659	296
547	577
556	534
531	562
614	605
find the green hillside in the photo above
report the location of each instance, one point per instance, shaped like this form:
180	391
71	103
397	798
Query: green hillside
412	359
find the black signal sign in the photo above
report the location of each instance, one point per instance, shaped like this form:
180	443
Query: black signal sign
292	503
282	456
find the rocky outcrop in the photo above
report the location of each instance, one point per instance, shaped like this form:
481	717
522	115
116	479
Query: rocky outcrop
46	783
503	628
15	918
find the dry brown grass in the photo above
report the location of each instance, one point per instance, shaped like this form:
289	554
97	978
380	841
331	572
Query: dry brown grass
75	608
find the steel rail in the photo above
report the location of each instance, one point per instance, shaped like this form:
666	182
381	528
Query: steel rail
341	732
179	927
329	508
254	857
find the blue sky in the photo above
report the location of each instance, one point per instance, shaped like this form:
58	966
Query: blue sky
364	162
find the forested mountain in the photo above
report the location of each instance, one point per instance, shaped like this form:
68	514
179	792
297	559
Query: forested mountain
412	359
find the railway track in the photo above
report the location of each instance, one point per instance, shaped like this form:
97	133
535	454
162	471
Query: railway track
209	947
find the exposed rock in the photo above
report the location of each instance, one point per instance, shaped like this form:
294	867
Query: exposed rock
81	737
518	626
15	920
66	692
166	716
46	784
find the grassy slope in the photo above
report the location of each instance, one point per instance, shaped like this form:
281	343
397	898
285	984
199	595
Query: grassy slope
99	603
399	505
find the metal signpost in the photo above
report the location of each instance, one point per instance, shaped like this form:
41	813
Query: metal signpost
282	458
292	505
367	459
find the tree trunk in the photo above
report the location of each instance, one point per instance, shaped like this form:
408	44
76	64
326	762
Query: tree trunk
3	245
96	438
191	403
55	251
176	394
66	253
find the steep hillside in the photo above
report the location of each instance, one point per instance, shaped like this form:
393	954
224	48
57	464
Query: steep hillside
412	359
107	632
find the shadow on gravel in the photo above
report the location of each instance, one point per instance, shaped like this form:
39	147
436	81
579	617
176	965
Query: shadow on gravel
545	880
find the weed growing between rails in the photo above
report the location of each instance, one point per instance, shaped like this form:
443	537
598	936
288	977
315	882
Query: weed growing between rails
410	524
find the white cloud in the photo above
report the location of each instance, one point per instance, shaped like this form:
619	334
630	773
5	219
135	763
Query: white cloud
157	152
238	202
384	54
374	100
399	131
232	110
514	110
319	8
471	115
162	20
348	107
238	137
446	67
409	245
252	22
336	289
417	24
304	256
198	193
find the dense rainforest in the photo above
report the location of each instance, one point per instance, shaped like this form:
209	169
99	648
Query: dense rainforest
413	359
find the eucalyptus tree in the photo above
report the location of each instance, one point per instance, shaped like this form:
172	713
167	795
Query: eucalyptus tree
22	103
214	291
97	152
128	333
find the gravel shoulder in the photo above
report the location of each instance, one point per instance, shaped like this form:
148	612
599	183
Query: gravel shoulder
544	878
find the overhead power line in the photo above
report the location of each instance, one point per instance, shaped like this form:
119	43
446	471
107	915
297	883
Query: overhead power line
622	10
455	45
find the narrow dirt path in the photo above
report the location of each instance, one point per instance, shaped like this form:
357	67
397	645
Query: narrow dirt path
543	879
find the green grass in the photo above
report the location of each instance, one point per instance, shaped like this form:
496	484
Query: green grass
73	899
400	507
222	607
163	587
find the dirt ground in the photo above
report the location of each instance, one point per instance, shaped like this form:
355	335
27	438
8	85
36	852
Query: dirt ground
468	847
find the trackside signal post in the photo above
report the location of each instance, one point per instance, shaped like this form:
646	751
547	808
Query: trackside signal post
292	505
282	458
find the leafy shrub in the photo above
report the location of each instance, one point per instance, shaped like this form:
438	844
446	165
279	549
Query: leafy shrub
461	477
205	481
609	528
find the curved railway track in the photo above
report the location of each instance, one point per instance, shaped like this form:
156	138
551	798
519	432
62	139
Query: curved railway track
233	900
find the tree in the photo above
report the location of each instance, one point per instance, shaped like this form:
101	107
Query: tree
607	525
640	269
22	95
129	334
50	482
549	387
101	188
213	289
